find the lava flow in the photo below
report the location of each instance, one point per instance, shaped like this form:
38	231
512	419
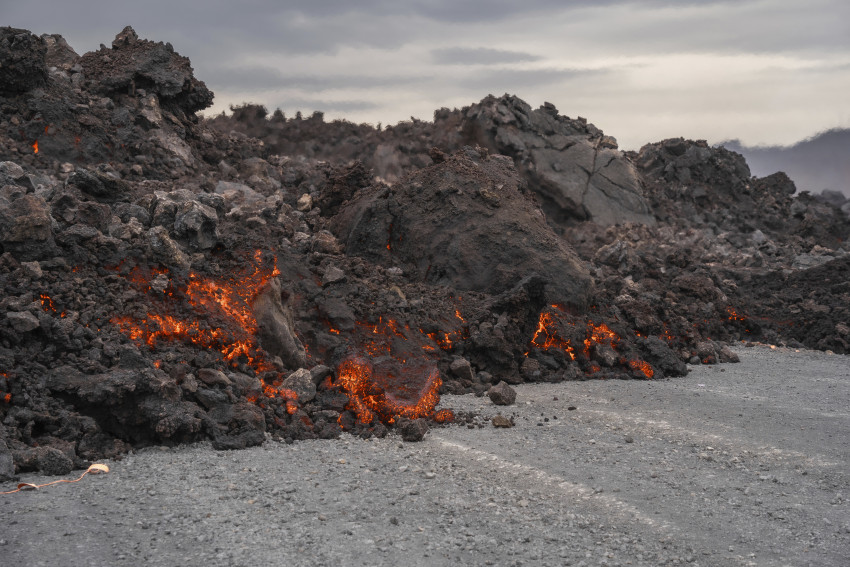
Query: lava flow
388	388
547	337
390	375
221	318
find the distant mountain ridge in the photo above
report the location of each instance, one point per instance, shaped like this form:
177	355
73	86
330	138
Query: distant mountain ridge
819	163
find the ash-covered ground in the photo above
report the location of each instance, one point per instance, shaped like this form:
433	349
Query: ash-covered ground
168	278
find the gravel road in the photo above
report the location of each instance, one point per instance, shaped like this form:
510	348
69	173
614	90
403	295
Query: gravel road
738	464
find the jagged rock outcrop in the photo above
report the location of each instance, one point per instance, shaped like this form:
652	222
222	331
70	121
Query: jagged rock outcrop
575	169
22	61
134	64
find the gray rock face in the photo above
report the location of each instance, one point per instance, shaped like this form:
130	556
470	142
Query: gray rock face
163	247
22	321
197	223
59	53
576	170
26	227
274	321
301	382
22	61
461	368
98	184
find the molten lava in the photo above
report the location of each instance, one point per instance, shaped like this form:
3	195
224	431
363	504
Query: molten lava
47	305
391	374
35	147
222	318
546	336
388	388
4	396
734	315
643	367
599	334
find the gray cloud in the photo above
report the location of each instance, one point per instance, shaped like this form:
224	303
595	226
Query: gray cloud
496	81
479	56
264	77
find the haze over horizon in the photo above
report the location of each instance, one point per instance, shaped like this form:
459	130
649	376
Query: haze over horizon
765	72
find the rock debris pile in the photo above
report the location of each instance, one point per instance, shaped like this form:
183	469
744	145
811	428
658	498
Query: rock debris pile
168	278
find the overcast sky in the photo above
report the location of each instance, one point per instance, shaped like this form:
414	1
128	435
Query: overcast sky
764	71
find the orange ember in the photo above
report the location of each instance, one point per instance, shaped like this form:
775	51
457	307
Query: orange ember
444	416
47	304
546	337
6	397
35	147
734	315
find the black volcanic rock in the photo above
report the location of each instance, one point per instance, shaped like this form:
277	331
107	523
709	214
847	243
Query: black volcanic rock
22	61
59	53
134	64
468	223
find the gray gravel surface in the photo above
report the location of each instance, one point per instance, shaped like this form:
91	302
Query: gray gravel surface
743	464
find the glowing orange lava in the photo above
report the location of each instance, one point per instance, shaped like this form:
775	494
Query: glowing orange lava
47	304
226	301
444	416
546	336
643	367
734	315
599	334
392	372
6	397
388	388
35	147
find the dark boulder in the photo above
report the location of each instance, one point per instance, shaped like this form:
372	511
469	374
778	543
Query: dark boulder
134	64
502	394
22	61
59	53
414	430
26	227
467	223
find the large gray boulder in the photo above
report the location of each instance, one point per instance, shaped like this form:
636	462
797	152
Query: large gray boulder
575	169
